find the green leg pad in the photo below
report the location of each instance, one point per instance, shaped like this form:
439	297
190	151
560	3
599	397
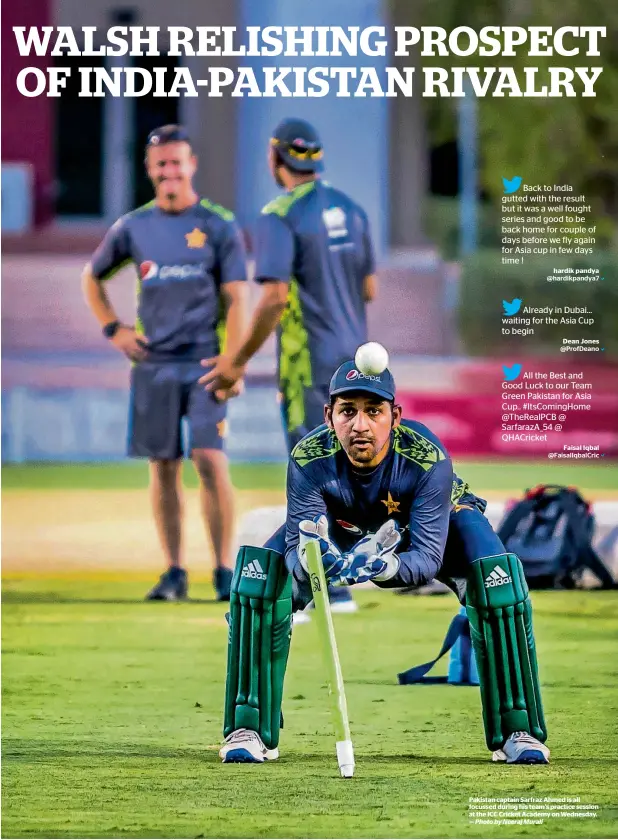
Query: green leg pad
258	643
500	617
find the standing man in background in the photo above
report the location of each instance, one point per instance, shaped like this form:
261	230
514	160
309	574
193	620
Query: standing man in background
314	260
191	266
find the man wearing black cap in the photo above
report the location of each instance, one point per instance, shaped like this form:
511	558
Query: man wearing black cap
191	267
379	496
314	260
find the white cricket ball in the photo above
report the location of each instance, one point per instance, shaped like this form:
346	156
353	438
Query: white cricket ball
371	358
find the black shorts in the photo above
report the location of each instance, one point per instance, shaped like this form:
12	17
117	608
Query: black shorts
162	393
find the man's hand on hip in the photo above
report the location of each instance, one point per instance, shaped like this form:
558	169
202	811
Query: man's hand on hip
128	341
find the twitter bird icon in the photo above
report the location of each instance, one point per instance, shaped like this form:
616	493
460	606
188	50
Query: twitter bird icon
513	307
511	373
512	185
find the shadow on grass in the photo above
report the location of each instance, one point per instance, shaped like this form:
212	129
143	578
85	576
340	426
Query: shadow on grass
24	753
22	750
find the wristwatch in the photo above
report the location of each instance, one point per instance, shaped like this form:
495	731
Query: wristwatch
110	330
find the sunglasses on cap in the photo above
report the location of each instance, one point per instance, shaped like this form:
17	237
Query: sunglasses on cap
299	149
168	134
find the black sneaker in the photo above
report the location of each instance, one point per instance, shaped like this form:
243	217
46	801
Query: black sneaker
172	586
222	580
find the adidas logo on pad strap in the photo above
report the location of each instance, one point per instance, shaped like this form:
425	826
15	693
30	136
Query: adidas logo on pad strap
255	571
497	577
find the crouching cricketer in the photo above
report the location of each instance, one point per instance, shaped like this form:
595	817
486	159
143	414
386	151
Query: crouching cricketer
380	496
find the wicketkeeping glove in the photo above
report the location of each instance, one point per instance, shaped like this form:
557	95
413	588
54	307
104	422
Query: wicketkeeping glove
317	529
377	551
372	558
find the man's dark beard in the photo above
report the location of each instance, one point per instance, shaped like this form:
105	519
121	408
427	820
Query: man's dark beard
170	196
364	455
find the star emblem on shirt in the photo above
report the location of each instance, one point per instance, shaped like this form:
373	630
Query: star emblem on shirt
391	505
196	239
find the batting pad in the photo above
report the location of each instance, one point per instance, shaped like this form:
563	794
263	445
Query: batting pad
500	615
258	643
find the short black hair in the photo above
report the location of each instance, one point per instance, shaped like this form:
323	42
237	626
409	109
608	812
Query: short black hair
279	160
171	133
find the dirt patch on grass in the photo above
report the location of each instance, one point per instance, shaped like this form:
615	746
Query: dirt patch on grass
67	531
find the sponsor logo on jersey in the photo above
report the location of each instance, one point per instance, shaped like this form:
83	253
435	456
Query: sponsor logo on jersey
335	220
347	526
148	270
190	271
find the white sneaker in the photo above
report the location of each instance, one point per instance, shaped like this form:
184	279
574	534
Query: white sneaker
522	748
341	607
243	746
336	607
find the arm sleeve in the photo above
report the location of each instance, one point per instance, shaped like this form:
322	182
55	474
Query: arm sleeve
369	254
305	501
274	249
232	255
113	253
429	521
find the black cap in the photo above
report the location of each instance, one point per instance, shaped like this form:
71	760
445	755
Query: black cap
171	133
348	378
299	145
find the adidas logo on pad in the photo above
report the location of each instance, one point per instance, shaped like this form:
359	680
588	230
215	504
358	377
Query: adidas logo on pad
255	571
497	577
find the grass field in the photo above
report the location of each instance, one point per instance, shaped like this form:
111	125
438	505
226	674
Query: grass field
483	476
111	715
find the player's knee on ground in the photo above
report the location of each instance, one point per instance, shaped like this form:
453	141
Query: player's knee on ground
500	614
258	643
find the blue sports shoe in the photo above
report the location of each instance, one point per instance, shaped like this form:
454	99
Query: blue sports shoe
222	580
172	586
244	746
522	748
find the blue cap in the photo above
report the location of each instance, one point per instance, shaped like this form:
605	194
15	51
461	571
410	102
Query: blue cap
299	145
348	378
171	133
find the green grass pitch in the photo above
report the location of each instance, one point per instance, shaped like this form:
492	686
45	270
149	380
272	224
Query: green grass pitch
112	714
112	707
482	476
